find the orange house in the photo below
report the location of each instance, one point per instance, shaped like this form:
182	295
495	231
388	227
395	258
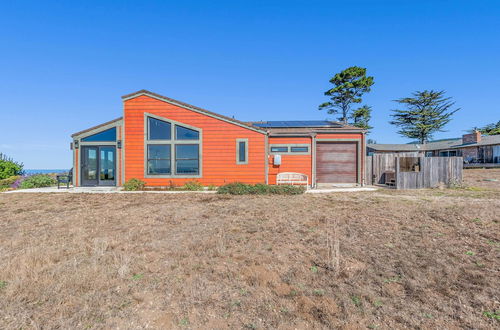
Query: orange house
166	142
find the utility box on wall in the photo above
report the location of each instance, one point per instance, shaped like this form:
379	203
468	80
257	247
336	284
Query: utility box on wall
277	160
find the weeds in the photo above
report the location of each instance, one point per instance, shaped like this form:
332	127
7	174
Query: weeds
470	253
137	277
318	292
356	301
184	322
3	284
333	246
394	279
492	315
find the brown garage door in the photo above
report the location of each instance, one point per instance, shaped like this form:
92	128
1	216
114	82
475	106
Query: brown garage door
336	162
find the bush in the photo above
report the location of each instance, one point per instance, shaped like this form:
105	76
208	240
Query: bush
193	186
9	182
238	188
9	168
38	181
134	185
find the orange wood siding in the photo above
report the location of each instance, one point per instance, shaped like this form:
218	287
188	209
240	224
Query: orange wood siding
289	162
218	159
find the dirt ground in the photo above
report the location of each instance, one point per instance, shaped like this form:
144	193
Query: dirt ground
385	259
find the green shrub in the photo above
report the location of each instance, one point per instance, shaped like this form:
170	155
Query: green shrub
193	186
8	167
6	183
238	188
134	185
38	181
235	188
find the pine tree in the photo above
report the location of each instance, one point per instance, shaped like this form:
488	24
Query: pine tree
426	113
349	87
361	117
490	129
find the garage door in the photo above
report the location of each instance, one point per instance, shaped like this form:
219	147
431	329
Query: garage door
336	162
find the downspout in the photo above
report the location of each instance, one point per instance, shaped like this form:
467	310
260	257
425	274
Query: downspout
363	161
266	158
313	156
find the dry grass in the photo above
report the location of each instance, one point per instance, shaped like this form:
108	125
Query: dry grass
386	259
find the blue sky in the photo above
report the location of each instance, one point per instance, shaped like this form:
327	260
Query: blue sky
65	64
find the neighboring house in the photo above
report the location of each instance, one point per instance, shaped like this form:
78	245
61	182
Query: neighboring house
472	147
164	142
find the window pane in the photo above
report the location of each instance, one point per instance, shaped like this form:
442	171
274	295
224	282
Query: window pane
299	149
242	153
159	166
158	129
107	135
158	151
187	166
187	159
186	151
183	133
279	149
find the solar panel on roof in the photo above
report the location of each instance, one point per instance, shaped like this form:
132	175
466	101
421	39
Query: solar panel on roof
297	123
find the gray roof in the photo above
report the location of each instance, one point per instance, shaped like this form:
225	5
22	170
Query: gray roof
436	145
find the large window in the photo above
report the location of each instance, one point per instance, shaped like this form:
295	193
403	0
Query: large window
172	149
104	136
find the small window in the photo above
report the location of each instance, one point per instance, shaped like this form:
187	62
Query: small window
104	136
186	159
279	149
159	158
429	153
299	149
241	151
183	133
409	164
159	129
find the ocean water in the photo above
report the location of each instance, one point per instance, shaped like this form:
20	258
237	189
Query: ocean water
38	171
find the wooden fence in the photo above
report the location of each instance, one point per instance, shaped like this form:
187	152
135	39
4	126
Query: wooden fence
427	172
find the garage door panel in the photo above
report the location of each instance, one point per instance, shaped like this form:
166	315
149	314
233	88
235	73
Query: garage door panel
336	162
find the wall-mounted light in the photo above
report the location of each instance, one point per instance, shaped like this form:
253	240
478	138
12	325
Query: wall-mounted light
76	144
119	144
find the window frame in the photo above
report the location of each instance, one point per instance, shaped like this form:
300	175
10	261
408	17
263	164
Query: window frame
289	147
172	142
148	158
238	161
